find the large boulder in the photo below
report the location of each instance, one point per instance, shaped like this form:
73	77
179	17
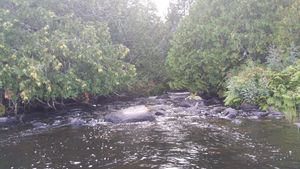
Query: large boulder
132	114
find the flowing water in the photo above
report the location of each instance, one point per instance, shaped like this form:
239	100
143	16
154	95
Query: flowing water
177	140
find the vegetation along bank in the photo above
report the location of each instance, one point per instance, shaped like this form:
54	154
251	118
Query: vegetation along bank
61	51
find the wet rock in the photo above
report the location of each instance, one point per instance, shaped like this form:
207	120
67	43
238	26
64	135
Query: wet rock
260	114
193	97
250	115
38	124
248	107
217	110
275	114
56	122
182	95
7	120
196	108
159	113
212	101
76	121
164	96
230	113
185	104
132	114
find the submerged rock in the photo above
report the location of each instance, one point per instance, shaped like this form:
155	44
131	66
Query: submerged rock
132	114
230	113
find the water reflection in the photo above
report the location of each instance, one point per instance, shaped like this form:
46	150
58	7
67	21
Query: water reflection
178	140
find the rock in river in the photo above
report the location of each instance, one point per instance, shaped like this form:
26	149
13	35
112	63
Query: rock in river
132	114
76	121
230	113
248	107
7	120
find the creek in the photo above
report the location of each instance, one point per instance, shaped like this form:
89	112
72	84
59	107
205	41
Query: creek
181	138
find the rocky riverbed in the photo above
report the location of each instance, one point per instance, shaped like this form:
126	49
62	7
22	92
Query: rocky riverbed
148	108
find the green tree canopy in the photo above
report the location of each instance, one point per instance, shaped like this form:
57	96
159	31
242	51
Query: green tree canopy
46	54
218	35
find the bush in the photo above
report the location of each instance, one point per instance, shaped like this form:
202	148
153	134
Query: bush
255	84
249	85
285	91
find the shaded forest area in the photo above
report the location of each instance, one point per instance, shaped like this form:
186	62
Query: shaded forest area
57	51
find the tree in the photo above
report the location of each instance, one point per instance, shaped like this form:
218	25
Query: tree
47	55
217	36
288	27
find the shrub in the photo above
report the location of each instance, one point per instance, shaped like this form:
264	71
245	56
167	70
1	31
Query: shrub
249	85
255	84
285	90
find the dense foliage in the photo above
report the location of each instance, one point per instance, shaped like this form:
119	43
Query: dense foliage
218	35
47	55
243	51
62	49
209	52
248	85
284	88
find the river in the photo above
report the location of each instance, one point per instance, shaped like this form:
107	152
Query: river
179	140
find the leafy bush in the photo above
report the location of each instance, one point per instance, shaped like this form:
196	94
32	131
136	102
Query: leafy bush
249	85
255	84
285	90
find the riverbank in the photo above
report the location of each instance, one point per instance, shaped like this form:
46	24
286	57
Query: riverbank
151	108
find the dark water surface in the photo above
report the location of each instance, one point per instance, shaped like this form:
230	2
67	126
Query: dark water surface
180	140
